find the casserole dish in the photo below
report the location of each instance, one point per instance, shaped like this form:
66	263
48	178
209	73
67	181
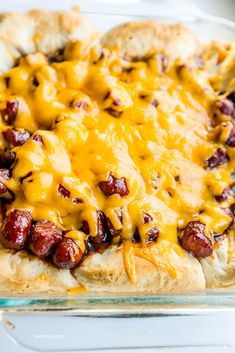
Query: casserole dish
201	24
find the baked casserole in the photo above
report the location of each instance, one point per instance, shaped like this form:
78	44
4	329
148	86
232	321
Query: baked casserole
117	157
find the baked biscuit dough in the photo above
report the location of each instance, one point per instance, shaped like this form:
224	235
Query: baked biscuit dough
219	269
139	40
24	273
106	272
40	30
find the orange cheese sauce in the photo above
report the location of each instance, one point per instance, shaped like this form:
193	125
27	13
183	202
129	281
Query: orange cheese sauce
158	141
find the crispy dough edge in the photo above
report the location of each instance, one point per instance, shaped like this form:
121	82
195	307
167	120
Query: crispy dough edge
106	272
143	39
41	30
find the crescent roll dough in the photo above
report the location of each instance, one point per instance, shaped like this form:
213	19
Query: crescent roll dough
138	40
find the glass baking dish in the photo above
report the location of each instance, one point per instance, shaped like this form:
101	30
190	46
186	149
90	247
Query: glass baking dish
106	15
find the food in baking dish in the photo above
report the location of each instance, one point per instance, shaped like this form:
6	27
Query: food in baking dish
117	156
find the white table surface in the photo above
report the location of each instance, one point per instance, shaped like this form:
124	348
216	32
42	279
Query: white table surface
204	334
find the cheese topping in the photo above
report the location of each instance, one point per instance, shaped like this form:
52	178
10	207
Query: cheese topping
98	118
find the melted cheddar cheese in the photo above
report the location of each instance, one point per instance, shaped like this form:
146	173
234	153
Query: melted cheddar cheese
100	114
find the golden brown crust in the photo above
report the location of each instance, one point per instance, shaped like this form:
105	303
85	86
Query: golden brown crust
106	272
142	39
40	30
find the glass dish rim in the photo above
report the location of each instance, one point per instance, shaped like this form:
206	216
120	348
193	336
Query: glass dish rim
103	304
119	304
